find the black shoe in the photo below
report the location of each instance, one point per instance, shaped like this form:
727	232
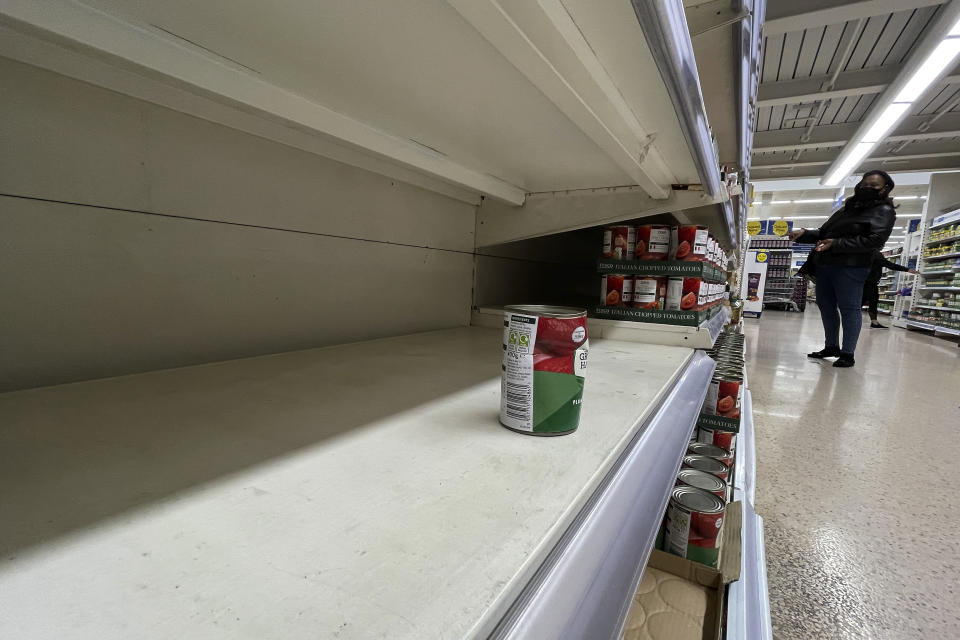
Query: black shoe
826	352
878	326
845	360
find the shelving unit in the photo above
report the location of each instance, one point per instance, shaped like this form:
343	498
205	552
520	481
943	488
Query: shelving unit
364	489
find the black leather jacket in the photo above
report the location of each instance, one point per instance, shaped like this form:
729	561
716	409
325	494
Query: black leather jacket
857	233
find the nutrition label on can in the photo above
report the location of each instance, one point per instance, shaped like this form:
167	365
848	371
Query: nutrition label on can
516	397
678	531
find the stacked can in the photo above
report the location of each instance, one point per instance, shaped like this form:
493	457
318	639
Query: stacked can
724	395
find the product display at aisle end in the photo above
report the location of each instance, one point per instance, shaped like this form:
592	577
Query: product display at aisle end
936	299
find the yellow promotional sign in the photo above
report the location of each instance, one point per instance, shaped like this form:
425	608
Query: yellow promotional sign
762	257
780	228
753	227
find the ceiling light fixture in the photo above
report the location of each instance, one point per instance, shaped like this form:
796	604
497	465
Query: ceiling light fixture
813	201
929	62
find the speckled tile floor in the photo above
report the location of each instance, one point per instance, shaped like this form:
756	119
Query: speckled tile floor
856	481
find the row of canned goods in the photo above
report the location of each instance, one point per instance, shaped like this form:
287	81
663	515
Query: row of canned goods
694	518
659	292
687	242
725	392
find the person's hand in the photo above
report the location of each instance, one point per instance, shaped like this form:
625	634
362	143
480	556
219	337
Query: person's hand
824	245
796	233
915	272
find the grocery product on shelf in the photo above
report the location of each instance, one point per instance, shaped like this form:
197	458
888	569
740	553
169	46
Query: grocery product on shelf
616	290
544	363
619	242
689	242
703	481
694	521
674	294
707	449
718	437
649	292
723	394
653	242
708	464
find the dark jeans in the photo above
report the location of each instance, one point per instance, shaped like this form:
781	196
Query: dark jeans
871	296
839	296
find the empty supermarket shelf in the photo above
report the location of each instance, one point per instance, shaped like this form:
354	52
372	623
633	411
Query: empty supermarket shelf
75	455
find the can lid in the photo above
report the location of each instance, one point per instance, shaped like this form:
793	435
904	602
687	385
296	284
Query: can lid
701	480
547	311
707	449
697	500
705	463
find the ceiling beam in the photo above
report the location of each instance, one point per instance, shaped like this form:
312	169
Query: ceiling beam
543	42
801	20
833	135
914	151
809	90
76	37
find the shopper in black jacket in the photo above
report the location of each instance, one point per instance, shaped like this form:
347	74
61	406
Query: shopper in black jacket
871	290
842	258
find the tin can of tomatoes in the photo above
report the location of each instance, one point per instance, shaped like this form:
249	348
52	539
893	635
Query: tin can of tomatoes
674	293
544	365
653	242
722	438
648	292
711	450
708	464
703	481
723	396
694	523
619	242
616	290
694	294
691	243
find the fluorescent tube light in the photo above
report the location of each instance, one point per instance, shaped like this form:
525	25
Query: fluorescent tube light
781	201
813	201
905	197
938	60
956	29
849	164
890	116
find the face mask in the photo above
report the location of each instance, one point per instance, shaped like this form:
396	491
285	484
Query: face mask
866	193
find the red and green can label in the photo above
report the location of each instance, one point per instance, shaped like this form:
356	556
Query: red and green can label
544	364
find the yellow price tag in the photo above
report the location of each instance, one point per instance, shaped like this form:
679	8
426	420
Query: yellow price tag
753	227
762	257
780	228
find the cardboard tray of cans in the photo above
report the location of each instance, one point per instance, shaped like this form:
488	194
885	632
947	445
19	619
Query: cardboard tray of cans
678	599
684	268
661	316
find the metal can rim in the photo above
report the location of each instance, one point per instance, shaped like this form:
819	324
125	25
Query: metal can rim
547	311
680	497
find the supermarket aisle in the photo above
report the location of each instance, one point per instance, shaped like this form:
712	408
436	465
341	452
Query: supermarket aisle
855	481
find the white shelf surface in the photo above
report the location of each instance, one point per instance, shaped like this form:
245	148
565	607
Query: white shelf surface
936	308
940	288
358	491
926	326
941	257
934	243
947	330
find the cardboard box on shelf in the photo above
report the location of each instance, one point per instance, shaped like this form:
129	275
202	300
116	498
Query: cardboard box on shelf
681	600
